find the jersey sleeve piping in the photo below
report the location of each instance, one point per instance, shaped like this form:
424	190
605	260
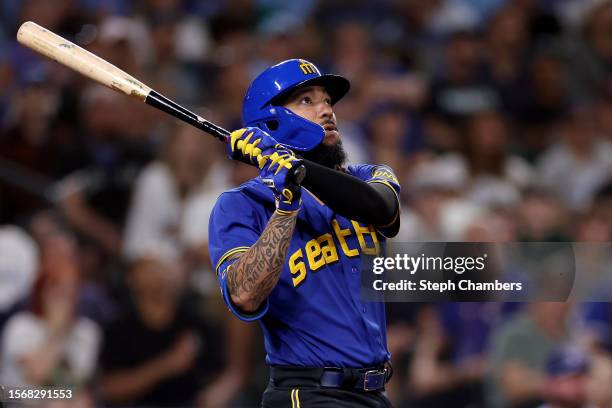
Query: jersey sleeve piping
247	317
228	254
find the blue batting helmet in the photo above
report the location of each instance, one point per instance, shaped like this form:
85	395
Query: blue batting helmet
261	107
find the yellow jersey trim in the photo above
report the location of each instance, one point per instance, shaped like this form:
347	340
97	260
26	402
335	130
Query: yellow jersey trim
229	253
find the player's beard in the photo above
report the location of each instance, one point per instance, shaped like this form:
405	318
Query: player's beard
333	156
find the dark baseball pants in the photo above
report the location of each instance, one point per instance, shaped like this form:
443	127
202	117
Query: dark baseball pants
308	396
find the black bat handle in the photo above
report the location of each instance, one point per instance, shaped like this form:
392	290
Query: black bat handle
162	103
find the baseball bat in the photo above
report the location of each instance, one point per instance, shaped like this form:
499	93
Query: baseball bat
72	56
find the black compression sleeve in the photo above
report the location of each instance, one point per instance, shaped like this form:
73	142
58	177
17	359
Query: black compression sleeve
351	197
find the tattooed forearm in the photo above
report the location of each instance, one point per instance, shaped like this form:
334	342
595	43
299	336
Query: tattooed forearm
252	277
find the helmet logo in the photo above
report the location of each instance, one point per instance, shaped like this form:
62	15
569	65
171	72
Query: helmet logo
307	68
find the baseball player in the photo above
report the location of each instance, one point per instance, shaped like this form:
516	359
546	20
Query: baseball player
288	255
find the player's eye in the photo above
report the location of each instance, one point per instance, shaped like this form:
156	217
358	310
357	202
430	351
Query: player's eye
306	100
328	101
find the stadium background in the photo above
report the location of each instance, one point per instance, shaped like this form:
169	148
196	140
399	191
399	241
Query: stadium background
496	115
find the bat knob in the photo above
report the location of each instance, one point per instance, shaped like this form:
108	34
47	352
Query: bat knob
298	174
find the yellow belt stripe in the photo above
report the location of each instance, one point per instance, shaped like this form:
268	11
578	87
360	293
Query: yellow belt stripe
295	398
228	254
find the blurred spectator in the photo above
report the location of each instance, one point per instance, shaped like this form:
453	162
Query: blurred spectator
157	352
403	323
229	87
380	80
231	387
190	39
437	210
29	147
602	203
405	29
497	177
592	55
179	43
95	196
280	38
421	221
389	129
19	255
546	97
544	24
500	225
450	354
93	299
541	217
603	111
565	382
125	42
506	45
592	227
60	16
453	15
231	28
7	78
188	169
49	345
444	202
461	89
598	387
518	354
578	164
594	276
541	101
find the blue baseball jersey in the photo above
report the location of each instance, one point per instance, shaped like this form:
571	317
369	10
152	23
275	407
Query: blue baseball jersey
314	317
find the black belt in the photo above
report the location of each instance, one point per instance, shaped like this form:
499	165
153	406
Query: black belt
364	379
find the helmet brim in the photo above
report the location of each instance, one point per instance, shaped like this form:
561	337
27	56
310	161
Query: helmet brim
336	86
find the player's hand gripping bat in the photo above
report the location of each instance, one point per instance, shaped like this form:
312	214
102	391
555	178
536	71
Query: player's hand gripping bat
71	55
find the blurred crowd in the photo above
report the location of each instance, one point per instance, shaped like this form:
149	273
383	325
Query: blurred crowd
496	116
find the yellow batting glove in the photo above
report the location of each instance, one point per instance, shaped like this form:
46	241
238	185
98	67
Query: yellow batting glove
251	145
275	173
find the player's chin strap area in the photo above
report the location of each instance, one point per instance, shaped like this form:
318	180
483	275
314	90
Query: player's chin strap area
362	379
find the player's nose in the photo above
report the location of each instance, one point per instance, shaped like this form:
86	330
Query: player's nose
325	110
